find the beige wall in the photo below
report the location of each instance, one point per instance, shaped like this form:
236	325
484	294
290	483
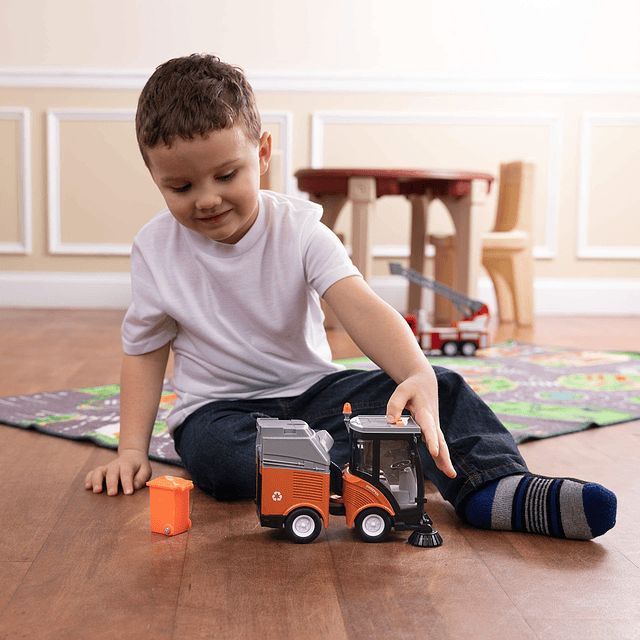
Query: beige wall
435	84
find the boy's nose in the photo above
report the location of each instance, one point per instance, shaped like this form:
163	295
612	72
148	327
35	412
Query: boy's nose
208	198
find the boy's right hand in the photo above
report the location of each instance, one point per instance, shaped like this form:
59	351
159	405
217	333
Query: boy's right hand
131	469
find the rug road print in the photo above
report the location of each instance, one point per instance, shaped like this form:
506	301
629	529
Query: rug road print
540	392
91	413
537	392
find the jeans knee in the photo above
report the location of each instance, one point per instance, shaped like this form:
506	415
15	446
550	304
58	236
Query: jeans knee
220	457
222	478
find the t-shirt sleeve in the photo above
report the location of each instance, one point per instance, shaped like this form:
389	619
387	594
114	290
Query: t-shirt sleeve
326	260
146	326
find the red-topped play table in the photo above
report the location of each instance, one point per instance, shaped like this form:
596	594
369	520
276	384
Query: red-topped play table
332	188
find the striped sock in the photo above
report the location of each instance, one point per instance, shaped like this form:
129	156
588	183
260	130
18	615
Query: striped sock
557	507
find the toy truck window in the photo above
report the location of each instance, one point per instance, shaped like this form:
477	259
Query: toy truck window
397	470
364	456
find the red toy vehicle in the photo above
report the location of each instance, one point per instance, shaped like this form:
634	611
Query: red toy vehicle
381	488
464	336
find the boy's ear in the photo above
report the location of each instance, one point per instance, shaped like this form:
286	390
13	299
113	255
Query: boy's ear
264	152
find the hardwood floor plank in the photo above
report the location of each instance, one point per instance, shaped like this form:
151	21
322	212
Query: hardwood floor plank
101	572
11	575
54	349
551	629
241	580
396	590
37	473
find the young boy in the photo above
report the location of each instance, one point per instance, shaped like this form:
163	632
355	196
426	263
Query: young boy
231	277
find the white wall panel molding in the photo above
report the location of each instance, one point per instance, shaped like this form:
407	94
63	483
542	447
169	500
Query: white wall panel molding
284	119
586	250
61	78
55	214
25	210
336	81
554	296
54	118
320	119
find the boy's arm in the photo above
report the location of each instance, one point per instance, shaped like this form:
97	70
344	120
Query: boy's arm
140	390
385	337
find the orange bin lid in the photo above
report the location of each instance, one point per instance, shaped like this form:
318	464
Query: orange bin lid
172	483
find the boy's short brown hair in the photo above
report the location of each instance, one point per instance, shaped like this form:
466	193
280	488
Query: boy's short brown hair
194	95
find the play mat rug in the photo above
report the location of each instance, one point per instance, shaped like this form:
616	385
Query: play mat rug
538	392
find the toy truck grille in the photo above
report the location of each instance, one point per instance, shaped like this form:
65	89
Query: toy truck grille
308	486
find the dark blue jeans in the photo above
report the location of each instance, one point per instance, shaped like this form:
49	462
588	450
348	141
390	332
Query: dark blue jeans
217	442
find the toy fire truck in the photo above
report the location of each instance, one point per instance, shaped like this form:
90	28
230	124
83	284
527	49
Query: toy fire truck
381	488
464	336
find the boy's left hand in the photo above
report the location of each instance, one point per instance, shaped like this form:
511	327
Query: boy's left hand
412	395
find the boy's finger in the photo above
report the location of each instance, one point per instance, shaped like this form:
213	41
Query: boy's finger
395	406
443	461
94	480
112	480
126	479
141	477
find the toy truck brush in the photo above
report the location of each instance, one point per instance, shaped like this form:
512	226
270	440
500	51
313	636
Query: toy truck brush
381	488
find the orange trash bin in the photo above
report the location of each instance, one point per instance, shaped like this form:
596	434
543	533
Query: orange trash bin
169	505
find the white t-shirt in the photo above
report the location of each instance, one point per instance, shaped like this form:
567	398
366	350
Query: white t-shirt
245	319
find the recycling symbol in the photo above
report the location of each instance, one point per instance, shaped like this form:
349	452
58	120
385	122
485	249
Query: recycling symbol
277	496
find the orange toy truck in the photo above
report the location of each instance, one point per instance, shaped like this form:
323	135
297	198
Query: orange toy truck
381	488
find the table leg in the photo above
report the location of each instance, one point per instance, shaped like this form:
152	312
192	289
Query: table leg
362	193
419	219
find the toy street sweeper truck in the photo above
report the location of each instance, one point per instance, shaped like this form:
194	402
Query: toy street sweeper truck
381	488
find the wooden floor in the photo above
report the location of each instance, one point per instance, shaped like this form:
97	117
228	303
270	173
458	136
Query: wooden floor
78	565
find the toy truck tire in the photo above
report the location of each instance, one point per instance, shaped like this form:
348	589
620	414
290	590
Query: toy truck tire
373	525
303	525
449	349
468	348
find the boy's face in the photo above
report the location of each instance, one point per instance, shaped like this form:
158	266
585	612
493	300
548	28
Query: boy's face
211	184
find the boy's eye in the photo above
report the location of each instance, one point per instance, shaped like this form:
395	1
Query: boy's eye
226	177
182	189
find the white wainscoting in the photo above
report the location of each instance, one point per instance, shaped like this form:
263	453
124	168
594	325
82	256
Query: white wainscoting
23	117
586	250
284	120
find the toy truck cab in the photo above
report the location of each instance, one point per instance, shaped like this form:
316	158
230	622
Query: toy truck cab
383	471
383	484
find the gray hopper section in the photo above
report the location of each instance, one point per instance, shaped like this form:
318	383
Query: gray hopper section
292	444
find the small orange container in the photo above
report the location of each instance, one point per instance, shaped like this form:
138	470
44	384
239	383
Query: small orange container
169	505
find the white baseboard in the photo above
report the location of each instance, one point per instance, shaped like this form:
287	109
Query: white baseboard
554	296
59	290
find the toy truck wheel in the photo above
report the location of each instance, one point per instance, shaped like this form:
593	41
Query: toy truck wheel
450	349
373	525
468	349
303	525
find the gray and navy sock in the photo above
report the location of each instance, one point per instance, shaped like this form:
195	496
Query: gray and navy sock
557	507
